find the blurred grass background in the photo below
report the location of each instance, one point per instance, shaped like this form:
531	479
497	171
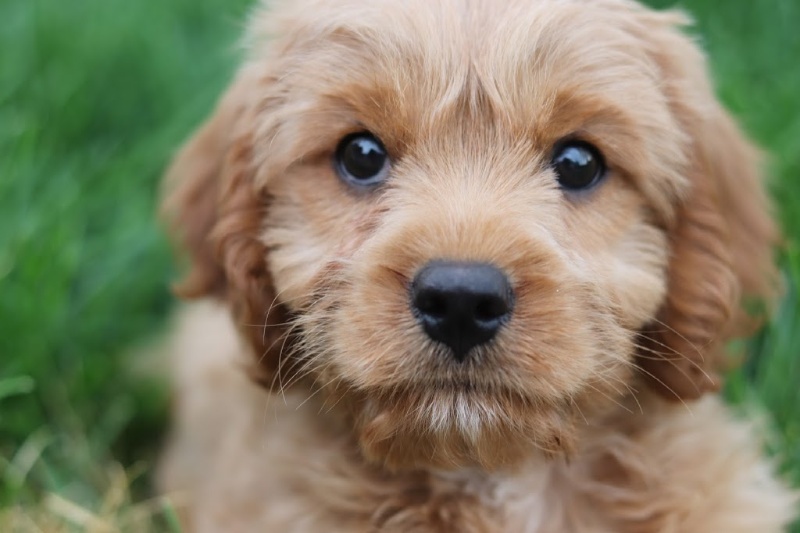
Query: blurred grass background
94	97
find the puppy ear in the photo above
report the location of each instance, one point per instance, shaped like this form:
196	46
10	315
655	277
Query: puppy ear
191	195
722	241
215	213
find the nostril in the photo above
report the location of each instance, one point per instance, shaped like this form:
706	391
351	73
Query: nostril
431	303
490	308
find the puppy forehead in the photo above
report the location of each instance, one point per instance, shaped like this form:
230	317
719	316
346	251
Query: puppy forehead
416	59
474	76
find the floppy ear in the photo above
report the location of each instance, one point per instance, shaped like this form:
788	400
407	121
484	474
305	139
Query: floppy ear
722	241
215	212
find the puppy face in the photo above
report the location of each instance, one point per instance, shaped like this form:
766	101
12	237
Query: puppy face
473	224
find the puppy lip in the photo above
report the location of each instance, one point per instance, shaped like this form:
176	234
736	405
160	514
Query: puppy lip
462	352
444	386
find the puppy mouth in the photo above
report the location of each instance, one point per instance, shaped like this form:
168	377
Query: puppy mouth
451	384
455	385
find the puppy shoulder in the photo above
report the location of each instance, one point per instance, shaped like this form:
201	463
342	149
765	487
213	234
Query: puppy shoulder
694	469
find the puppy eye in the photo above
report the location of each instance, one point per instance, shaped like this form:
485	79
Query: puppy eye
361	160
578	165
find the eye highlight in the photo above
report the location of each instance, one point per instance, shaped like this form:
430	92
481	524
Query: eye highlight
361	160
578	165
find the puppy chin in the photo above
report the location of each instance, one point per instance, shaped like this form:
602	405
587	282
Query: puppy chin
410	429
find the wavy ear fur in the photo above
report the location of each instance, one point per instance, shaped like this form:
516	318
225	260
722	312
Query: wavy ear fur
723	237
215	211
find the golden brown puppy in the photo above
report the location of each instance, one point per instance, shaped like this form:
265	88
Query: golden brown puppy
481	257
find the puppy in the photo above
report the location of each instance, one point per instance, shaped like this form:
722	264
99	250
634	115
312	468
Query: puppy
469	265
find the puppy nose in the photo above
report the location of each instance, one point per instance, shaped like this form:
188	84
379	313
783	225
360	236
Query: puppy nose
461	304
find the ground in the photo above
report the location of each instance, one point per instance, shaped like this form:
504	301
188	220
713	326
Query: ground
94	97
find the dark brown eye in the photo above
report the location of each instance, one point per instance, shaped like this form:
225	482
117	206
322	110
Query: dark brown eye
578	165
361	160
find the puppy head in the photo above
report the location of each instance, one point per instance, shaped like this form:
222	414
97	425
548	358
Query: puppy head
474	224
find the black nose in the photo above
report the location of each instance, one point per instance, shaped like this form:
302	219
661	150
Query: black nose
461	305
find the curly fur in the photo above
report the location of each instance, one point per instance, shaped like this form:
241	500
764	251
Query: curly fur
587	412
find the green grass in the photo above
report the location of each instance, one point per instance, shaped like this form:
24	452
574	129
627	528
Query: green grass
94	97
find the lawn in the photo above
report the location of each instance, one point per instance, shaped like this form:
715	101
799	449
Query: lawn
94	97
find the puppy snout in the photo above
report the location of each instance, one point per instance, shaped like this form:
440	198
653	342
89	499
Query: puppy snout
461	304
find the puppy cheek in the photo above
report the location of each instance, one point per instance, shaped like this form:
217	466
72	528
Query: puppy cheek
294	270
305	254
637	275
555	342
376	340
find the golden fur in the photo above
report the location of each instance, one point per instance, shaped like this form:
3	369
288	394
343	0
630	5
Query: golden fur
587	412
